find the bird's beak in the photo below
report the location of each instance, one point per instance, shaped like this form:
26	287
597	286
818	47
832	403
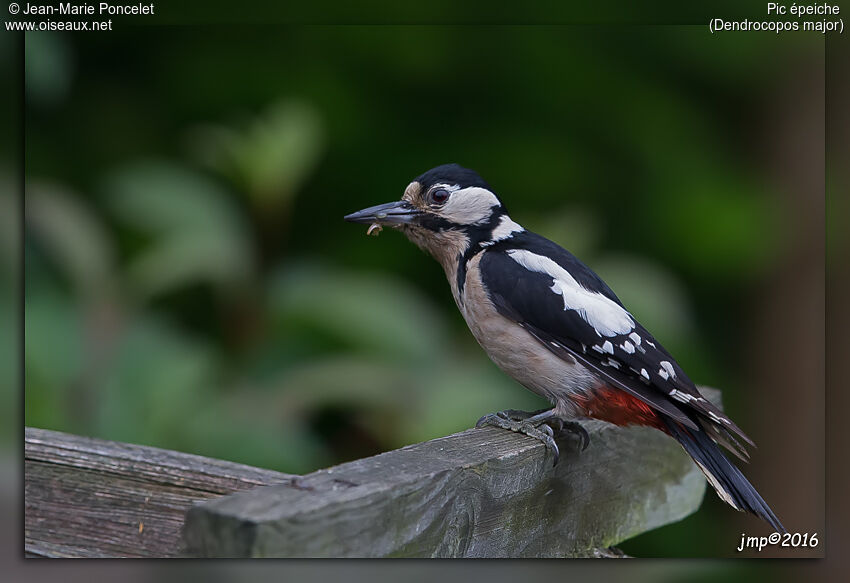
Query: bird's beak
399	212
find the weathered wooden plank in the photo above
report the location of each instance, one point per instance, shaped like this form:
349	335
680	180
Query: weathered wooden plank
93	498
480	493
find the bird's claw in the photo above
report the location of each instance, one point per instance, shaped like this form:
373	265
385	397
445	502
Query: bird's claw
576	429
506	420
498	419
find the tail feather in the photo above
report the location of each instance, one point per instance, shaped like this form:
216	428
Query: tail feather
727	480
725	438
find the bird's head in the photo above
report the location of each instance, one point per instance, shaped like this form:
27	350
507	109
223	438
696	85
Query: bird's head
444	211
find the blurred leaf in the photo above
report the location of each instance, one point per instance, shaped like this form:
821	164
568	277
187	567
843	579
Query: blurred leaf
53	355
400	404
157	379
244	427
197	233
269	156
338	379
72	235
49	67
367	311
379	392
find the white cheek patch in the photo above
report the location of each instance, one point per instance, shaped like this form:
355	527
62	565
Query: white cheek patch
605	316
469	206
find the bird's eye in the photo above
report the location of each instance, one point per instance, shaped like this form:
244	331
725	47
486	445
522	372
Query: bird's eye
440	196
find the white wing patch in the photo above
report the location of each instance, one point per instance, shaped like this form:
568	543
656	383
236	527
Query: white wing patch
470	206
605	316
681	396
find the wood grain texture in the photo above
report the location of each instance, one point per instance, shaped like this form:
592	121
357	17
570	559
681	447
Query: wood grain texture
88	497
480	493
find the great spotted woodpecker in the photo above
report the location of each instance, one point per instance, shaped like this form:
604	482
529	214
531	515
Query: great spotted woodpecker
551	323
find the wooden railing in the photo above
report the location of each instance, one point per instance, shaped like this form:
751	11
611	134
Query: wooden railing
480	493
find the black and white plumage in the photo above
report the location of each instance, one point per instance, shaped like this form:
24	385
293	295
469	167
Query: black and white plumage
551	323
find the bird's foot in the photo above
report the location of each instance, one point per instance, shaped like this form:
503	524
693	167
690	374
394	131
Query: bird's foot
534	425
578	430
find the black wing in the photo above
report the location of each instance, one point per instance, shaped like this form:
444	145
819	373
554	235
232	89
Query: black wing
632	361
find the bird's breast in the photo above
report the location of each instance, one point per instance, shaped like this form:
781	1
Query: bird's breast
513	349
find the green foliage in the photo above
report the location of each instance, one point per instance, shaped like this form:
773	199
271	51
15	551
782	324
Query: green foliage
364	312
71	237
195	232
268	157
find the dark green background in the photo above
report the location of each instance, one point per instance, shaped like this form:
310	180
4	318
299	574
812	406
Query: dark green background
191	285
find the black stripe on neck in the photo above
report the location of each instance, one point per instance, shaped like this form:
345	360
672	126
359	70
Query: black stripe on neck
476	246
462	260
